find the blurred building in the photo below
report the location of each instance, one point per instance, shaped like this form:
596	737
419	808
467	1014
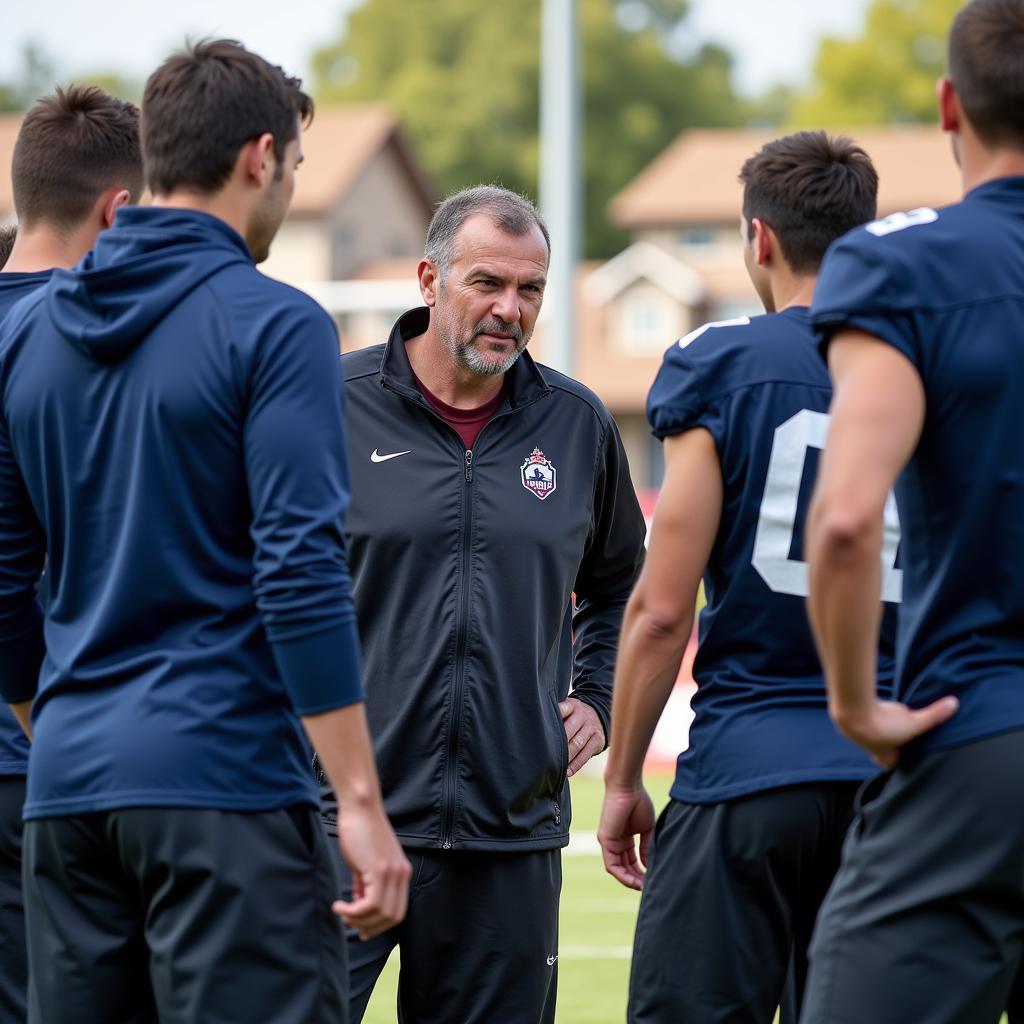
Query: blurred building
362	205
683	267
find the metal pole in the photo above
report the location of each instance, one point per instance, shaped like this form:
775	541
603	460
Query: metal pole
560	180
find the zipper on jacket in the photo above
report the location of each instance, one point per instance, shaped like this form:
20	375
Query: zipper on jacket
461	641
462	624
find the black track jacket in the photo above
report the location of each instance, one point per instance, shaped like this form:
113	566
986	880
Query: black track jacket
463	566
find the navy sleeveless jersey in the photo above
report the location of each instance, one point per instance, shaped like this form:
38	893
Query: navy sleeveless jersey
14	745
760	712
946	289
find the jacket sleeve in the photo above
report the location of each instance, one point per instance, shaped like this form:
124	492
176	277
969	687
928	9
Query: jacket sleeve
22	554
298	480
611	563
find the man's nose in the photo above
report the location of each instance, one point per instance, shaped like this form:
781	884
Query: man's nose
506	305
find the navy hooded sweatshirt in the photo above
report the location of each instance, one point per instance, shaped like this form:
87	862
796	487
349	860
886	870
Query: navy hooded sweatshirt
13	741
171	437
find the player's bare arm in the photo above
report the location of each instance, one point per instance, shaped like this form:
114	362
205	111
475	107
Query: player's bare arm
655	630
877	415
380	870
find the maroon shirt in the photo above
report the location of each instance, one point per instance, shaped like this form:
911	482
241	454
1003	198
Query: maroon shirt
468	422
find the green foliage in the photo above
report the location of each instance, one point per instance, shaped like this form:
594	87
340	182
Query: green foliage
37	76
464	79
887	74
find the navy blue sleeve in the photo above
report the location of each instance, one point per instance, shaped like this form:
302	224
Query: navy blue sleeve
22	554
299	488
864	286
608	570
691	379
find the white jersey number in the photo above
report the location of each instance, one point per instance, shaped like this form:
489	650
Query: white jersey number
777	517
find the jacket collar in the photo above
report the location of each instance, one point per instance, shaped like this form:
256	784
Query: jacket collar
524	382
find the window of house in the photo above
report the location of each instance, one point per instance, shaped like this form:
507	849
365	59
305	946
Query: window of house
343	255
697	237
399	248
648	322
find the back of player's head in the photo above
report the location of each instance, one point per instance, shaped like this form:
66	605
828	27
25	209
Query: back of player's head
72	146
809	188
986	67
511	212
202	105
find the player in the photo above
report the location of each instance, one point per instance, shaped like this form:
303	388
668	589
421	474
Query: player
747	847
171	438
77	159
922	315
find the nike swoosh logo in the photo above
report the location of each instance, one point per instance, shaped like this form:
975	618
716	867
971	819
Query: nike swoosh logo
552	959
374	457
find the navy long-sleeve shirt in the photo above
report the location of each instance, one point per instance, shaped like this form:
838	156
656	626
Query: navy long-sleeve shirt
171	437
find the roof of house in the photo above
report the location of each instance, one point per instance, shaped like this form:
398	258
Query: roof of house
695	180
337	147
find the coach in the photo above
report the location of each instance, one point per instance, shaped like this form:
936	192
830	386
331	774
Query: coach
486	490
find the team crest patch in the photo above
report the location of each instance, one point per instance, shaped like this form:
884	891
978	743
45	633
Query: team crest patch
538	474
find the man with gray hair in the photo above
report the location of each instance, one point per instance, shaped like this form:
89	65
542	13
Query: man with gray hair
487	491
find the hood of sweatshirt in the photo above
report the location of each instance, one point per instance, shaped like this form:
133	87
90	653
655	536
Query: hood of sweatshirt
141	268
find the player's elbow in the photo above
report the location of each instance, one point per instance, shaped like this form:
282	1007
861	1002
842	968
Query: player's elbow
663	623
843	532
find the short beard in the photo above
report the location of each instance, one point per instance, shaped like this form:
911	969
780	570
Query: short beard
468	356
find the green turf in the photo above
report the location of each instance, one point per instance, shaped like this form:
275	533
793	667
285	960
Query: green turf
596	928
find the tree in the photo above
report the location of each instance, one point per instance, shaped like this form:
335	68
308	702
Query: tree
38	75
885	75
464	79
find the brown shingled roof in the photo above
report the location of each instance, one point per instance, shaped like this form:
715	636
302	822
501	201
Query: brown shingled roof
338	146
694	180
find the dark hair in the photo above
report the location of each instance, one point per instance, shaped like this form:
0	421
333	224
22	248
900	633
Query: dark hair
810	188
986	67
8	236
72	146
510	211
201	106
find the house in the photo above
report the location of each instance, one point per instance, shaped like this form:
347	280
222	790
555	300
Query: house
360	198
685	265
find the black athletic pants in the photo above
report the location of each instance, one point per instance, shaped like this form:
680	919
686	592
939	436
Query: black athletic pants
479	944
729	904
13	962
183	917
925	922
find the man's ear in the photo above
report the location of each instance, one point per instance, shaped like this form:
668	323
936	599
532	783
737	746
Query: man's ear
110	202
430	281
765	242
949	105
257	159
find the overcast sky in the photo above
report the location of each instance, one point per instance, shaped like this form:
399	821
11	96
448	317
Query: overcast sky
773	40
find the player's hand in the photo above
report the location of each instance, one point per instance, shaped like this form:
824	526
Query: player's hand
626	813
380	871
583	732
885	726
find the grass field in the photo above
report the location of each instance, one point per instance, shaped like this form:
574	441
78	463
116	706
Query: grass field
596	927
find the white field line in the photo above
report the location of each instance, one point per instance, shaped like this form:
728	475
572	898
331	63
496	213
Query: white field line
595	952
582	844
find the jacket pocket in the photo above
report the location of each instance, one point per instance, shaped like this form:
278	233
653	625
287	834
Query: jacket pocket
561	745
